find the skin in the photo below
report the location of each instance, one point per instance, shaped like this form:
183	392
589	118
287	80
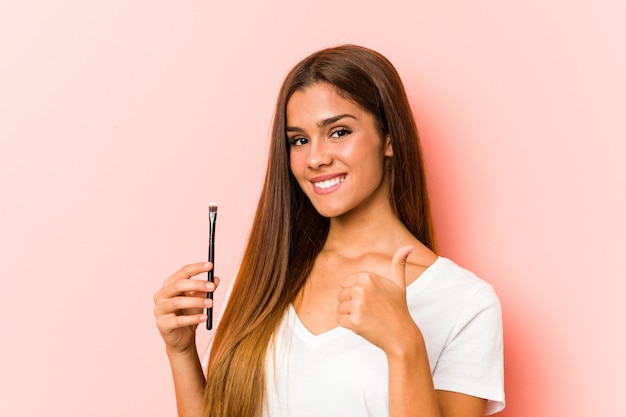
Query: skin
178	308
359	278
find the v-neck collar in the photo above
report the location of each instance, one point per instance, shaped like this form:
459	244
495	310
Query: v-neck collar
314	340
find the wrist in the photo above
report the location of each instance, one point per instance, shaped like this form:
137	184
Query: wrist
408	347
189	351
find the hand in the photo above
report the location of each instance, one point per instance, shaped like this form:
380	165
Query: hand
179	306
375	307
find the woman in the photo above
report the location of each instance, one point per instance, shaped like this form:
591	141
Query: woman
341	306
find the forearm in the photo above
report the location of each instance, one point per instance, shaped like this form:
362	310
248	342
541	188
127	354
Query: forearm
411	391
189	382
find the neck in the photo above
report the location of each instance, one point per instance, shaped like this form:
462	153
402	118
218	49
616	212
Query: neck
373	230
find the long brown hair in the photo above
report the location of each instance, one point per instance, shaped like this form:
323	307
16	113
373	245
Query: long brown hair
288	233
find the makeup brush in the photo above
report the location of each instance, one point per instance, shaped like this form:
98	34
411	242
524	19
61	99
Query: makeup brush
212	216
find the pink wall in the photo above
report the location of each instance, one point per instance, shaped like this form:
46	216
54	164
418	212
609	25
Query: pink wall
120	121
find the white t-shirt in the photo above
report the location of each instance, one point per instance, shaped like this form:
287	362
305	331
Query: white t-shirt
339	373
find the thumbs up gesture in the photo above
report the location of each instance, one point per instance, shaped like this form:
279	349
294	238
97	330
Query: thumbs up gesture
375	307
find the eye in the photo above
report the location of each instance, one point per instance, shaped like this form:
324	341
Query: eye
297	141
339	132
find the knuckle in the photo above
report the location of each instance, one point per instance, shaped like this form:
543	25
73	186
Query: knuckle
364	278
188	270
180	321
355	319
159	323
357	293
180	286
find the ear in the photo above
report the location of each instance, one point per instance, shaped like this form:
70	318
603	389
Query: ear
388	148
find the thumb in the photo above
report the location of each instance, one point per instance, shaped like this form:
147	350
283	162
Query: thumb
398	266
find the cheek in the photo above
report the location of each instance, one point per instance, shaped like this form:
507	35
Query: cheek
369	155
295	164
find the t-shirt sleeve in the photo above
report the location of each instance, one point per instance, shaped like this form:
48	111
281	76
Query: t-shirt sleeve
471	361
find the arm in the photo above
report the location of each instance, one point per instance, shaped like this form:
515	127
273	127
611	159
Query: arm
411	391
189	382
179	307
457	404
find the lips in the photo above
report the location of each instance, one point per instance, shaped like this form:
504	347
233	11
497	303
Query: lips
327	183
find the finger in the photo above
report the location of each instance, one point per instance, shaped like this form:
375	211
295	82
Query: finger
181	304
189	271
216	281
345	307
344	295
183	286
211	286
349	280
350	318
168	323
355	292
398	265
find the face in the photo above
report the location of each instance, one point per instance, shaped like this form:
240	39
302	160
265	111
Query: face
336	153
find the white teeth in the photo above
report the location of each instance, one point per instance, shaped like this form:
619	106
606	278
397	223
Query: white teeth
329	183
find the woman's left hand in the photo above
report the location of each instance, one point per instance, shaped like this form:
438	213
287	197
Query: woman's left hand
375	307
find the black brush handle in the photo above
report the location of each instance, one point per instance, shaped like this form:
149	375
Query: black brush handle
209	310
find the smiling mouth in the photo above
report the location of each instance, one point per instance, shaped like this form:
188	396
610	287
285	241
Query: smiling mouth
322	185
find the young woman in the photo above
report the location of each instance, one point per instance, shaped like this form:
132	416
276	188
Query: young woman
341	306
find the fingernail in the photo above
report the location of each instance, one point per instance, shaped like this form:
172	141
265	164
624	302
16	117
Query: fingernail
208	302
210	286
208	264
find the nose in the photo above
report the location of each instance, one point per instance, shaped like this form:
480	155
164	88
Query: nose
320	154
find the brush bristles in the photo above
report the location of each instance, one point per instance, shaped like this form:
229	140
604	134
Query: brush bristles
212	208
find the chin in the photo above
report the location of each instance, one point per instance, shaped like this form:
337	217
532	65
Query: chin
329	211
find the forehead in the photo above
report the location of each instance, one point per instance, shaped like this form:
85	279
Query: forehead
319	101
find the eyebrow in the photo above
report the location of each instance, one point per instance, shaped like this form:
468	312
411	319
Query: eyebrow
323	123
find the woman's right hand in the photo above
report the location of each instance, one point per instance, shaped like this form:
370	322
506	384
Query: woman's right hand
179	306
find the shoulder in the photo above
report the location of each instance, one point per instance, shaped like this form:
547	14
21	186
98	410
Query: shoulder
447	284
443	272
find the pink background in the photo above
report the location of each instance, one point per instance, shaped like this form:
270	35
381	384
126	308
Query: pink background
120	121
